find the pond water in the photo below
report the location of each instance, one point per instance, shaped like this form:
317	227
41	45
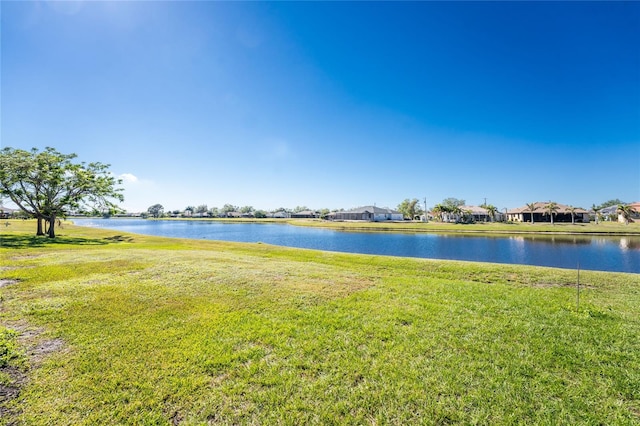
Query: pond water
620	254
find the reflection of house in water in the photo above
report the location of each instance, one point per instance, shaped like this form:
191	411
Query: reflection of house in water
630	243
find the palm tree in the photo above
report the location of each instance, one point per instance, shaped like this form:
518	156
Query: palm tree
626	212
438	210
456	211
551	208
596	210
492	210
532	208
572	210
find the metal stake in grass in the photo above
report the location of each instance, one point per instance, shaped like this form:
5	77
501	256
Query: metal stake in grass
578	290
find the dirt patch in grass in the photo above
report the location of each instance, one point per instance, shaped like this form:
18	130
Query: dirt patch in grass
551	285
5	282
37	349
10	391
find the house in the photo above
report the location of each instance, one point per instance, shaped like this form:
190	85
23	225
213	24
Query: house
280	214
6	212
305	214
367	213
541	214
608	213
635	213
480	214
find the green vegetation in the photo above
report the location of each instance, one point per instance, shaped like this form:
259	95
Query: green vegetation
145	330
46	184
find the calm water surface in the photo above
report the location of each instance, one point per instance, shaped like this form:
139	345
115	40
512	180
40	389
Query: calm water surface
621	254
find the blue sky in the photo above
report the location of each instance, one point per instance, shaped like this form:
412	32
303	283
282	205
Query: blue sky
332	104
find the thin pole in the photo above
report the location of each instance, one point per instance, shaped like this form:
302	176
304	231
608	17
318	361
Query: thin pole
578	292
426	219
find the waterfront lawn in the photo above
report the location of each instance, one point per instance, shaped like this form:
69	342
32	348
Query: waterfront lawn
115	328
602	228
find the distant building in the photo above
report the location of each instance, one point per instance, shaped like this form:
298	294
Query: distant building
541	214
480	214
305	214
280	214
6	212
367	213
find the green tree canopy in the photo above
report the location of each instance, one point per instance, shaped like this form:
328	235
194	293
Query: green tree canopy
227	208
452	202
156	210
410	208
48	184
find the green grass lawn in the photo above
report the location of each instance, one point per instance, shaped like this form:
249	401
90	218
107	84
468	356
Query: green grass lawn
103	327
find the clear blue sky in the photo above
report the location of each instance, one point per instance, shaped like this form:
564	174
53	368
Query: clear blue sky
332	104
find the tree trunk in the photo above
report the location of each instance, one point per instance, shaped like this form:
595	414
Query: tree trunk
52	222
39	231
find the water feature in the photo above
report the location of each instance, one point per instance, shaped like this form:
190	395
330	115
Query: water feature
621	253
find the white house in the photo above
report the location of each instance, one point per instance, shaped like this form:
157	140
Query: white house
367	213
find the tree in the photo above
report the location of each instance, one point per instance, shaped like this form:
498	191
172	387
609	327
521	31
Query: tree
626	212
299	209
572	211
596	212
492	210
202	208
532	208
156	210
227	208
246	209
457	212
551	208
440	210
409	208
453	202
47	184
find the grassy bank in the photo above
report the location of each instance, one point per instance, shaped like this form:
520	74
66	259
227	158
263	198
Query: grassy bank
113	328
602	228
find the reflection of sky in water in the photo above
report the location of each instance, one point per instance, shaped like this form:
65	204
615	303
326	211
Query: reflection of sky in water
599	253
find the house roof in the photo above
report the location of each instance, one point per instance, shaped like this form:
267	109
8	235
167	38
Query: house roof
372	209
609	210
475	210
540	208
614	209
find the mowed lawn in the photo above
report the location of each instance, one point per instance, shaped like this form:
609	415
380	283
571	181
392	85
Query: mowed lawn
102	327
